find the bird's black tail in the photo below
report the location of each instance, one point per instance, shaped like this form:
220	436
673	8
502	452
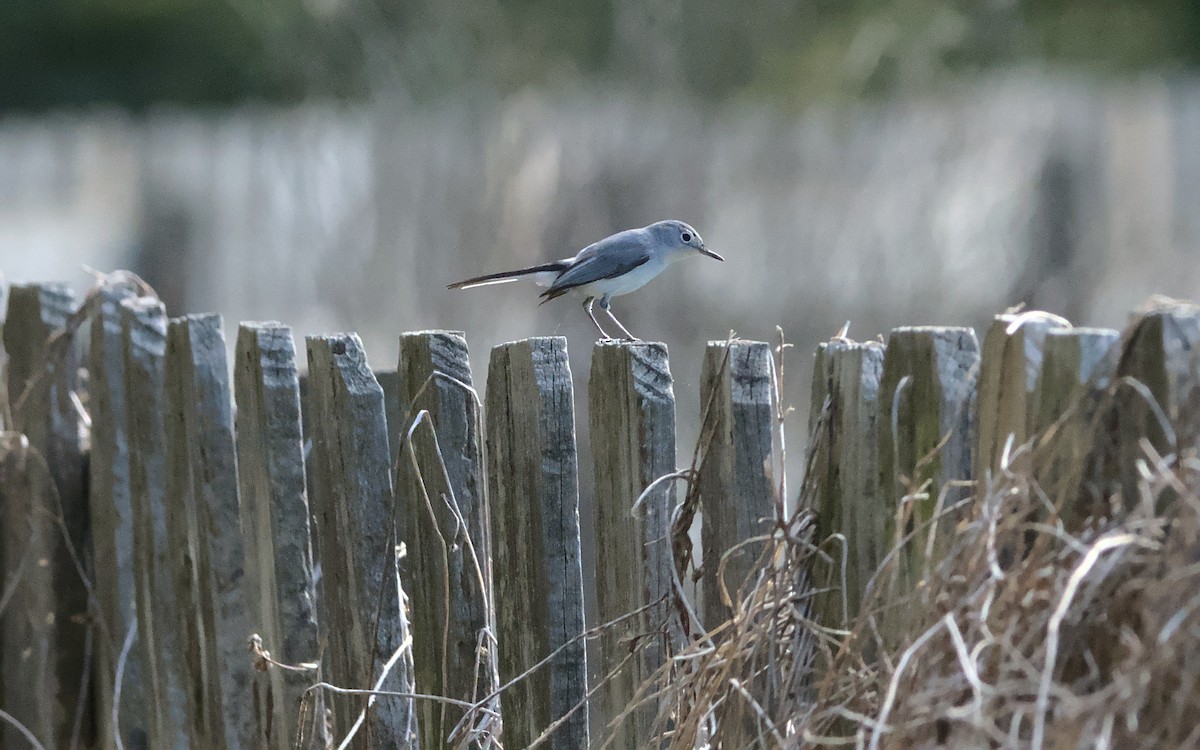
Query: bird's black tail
504	277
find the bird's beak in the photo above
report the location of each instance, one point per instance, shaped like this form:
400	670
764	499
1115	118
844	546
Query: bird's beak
711	254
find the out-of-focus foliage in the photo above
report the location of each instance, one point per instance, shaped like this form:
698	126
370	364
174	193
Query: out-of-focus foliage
134	52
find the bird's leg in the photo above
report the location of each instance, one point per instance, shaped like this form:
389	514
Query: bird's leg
604	306
587	305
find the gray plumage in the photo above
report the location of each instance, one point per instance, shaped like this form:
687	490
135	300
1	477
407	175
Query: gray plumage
610	257
616	265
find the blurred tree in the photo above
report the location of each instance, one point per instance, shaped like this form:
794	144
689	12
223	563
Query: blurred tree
1117	35
135	52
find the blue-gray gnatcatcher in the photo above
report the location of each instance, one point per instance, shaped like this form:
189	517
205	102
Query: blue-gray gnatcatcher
615	265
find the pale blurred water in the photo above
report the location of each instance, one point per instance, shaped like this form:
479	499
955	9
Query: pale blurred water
1077	197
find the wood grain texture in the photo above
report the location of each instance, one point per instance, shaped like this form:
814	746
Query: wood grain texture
443	521
203	494
845	387
1160	353
112	523
735	484
144	343
389	381
1008	374
1077	369
632	422
927	401
1074	362
275	522
534	491
45	520
361	607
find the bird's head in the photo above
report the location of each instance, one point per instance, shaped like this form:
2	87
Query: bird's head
676	235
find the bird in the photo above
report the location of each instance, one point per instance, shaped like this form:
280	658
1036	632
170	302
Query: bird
618	264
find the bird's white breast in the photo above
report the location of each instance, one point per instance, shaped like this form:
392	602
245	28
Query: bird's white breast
632	281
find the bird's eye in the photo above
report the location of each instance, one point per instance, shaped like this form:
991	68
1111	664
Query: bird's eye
685	237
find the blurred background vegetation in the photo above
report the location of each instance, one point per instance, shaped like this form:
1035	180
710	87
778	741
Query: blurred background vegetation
135	53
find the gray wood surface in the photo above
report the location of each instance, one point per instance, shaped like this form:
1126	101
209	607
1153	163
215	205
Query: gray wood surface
112	523
46	643
925	435
1160	353
389	381
442	518
534	494
738	442
275	523
632	407
200	444
845	385
1008	374
1077	368
144	343
1074	362
360	603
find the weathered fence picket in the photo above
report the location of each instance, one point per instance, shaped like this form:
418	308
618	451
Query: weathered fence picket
1074	362
47	644
1159	386
1008	374
632	423
275	524
534	492
361	607
443	522
845	407
111	512
158	602
926	399
737	440
202	506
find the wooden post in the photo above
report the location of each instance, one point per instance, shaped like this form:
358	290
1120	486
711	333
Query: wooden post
203	503
144	340
46	641
1008	374
1074	362
274	513
847	374
361	608
632	408
112	525
534	490
926	401
389	381
735	483
442	514
1159	353
1077	365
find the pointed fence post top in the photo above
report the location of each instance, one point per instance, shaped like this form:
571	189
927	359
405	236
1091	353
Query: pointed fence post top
345	354
646	362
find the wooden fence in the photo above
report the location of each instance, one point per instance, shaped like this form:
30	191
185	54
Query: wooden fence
362	559
179	572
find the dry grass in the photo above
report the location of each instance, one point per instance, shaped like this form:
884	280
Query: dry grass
1062	615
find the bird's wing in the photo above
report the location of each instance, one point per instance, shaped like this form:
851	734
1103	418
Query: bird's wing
610	257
